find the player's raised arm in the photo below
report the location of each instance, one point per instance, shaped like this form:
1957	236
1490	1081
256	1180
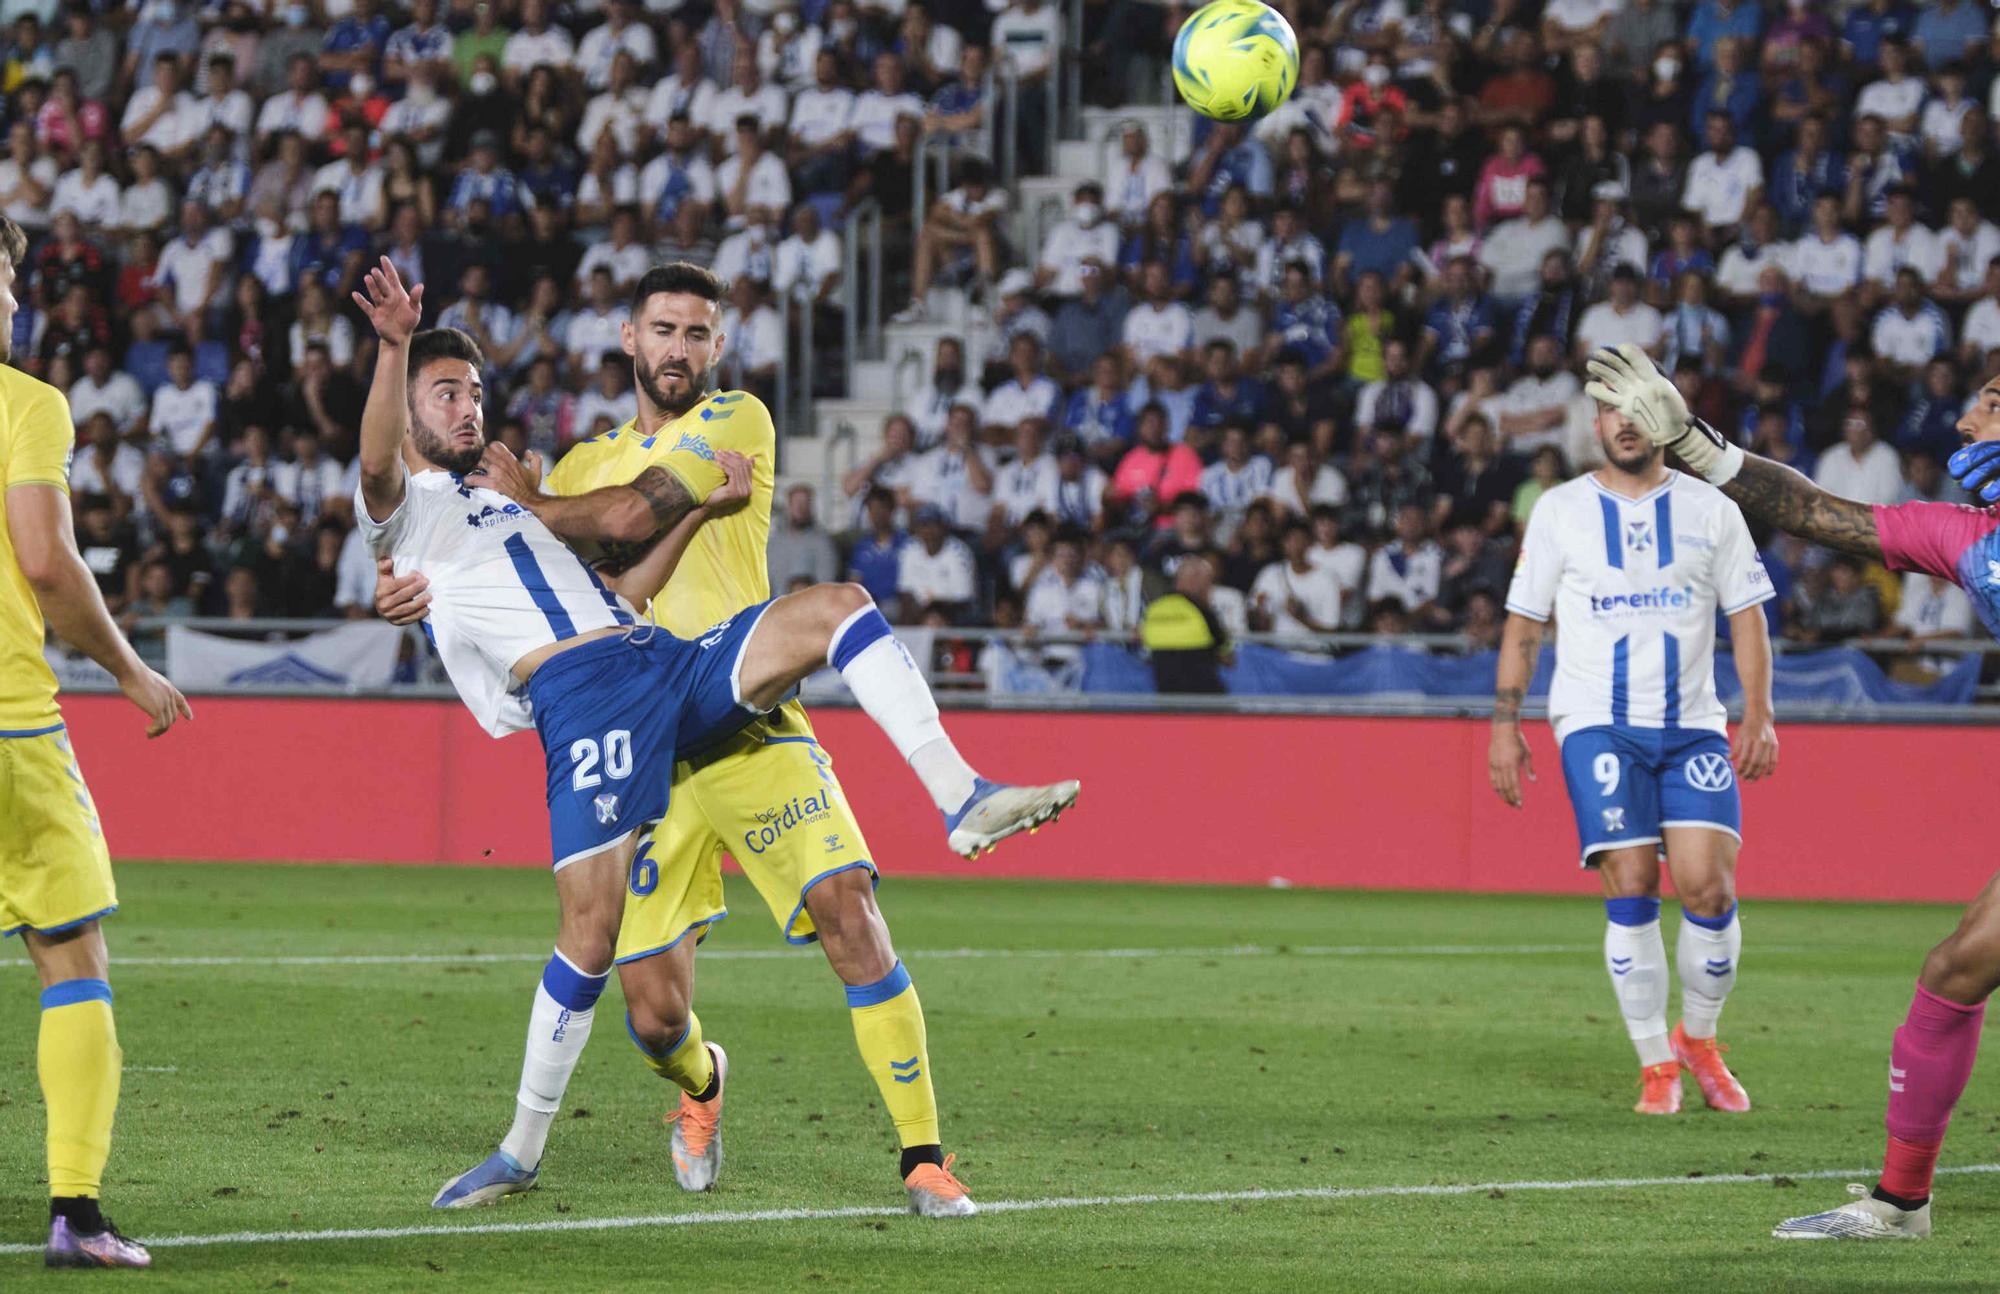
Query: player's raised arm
640	581
38	524
1507	758
1627	379
657	499
395	312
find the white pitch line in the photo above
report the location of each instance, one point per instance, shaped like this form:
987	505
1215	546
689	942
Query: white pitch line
934	954
990	1206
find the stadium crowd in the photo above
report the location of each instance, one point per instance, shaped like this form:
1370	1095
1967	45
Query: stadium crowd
1312	375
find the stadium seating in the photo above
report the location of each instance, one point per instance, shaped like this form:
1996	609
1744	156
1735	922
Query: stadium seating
1036	336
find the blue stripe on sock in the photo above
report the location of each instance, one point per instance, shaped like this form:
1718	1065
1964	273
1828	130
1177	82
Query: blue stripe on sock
570	986
862	633
1633	911
72	991
882	990
1710	923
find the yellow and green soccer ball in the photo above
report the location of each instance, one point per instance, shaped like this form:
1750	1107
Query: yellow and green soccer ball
1235	59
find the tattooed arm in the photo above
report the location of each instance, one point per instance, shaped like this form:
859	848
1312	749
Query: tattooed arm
652	502
1773	493
1507	757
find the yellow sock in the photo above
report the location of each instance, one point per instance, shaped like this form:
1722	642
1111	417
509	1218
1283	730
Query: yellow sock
686	1064
79	1062
889	1029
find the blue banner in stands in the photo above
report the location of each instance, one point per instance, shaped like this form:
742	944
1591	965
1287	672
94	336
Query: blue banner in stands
1835	676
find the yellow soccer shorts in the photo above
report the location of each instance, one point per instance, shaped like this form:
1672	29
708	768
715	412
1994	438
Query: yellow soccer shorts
55	872
768	798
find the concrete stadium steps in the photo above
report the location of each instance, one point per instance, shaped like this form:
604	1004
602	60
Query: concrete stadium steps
877	388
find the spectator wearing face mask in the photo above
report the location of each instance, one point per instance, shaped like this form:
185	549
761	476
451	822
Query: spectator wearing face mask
1086	240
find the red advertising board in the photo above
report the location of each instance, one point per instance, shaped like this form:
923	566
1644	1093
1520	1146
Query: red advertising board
1864	811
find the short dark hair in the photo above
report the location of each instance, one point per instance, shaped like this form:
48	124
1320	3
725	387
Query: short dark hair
13	242
676	277
434	344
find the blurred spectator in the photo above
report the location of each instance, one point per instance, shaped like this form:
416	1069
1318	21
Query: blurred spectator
1834	605
1861	467
962	220
1027	393
798	546
1306	482
1152	471
1294	597
1083	242
1225	317
1910	330
1513	250
1081	325
956	478
936	573
1067	597
1138	177
875	560
1410	568
1620	319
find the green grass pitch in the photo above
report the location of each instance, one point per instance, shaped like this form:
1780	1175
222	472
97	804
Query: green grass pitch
269	1097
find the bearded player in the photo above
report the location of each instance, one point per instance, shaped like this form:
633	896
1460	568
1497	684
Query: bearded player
55	872
767	796
1633	561
1932	1054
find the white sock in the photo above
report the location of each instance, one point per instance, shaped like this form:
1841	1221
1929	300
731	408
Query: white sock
878	670
556	1037
1637	960
1707	961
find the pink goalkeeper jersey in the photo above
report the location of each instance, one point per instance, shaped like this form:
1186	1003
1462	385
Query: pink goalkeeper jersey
1960	543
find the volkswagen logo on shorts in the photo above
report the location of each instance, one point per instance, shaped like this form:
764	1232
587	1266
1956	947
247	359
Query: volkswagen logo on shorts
1709	771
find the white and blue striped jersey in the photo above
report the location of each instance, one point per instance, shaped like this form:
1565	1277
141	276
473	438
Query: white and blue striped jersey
501	584
1634	585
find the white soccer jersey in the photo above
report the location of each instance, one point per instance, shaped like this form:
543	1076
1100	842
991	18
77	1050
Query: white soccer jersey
502	585
1634	585
1827	269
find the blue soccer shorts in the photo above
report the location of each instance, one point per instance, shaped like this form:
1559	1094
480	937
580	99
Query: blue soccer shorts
614	715
1627	785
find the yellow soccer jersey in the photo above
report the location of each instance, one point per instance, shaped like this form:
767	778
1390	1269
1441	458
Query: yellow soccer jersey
724	568
36	438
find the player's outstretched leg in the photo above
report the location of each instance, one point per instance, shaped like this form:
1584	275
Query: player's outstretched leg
591	892
1636	959
663	1026
1929	1063
839	625
889	1032
79	1064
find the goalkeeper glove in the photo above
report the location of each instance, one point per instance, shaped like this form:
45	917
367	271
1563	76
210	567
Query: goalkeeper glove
1626	378
1977	468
